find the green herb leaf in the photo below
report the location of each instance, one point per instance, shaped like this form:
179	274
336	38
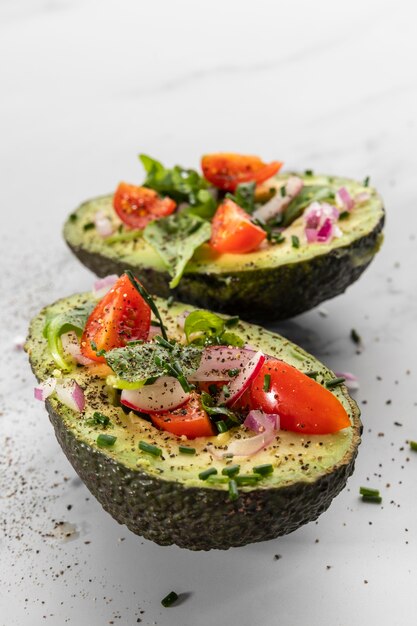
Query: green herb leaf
295	241
210	330
57	325
98	419
211	409
175	238
244	196
179	183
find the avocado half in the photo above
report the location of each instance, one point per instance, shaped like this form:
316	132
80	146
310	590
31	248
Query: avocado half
277	282
163	498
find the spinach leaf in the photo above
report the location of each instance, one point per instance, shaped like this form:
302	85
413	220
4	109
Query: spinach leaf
308	194
175	238
211	328
57	325
244	196
179	183
205	205
141	362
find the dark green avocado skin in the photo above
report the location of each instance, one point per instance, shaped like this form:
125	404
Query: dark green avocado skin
199	518
257	295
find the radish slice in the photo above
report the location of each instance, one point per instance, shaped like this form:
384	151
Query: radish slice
71	394
45	389
71	347
102	285
242	381
165	394
216	361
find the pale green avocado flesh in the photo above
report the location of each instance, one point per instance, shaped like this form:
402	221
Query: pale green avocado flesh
162	497
276	282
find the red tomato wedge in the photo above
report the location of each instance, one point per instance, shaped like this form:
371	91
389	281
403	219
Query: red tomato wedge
232	230
136	206
190	420
121	316
303	405
226	170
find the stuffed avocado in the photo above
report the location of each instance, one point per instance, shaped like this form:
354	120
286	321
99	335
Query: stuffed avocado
184	424
233	240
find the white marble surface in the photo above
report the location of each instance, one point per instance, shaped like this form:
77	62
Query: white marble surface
85	86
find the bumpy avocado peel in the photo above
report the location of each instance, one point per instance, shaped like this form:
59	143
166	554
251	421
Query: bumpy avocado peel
274	284
164	506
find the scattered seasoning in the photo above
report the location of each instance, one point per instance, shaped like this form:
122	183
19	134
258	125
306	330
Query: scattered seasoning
221	426
232	321
366	181
169	599
88	226
267	382
210	471
277	557
355	337
334	382
104	441
295	241
150	448
170	301
231	470
186	450
264	469
413	445
233	490
233	372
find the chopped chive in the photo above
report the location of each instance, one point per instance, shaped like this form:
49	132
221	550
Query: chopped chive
210	471
186	450
334	382
264	469
283	191
104	441
313	374
413	445
295	241
163	342
226	391
366	182
231	470
135	342
233	490
148	299
309	173
249	479
221	426
169	599
73	217
375	499
277	238
170	301
101	419
267	382
150	448
212	389
344	215
232	321
155	323
88	226
233	372
354	335
367	491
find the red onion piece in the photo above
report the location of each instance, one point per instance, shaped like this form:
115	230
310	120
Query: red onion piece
344	199
103	224
165	394
71	394
45	389
216	361
242	381
250	445
259	421
351	381
320	219
71	347
278	203
102	285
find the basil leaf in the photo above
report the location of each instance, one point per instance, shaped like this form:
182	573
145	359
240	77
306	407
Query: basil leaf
308	194
179	183
175	238
140	362
244	196
57	325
